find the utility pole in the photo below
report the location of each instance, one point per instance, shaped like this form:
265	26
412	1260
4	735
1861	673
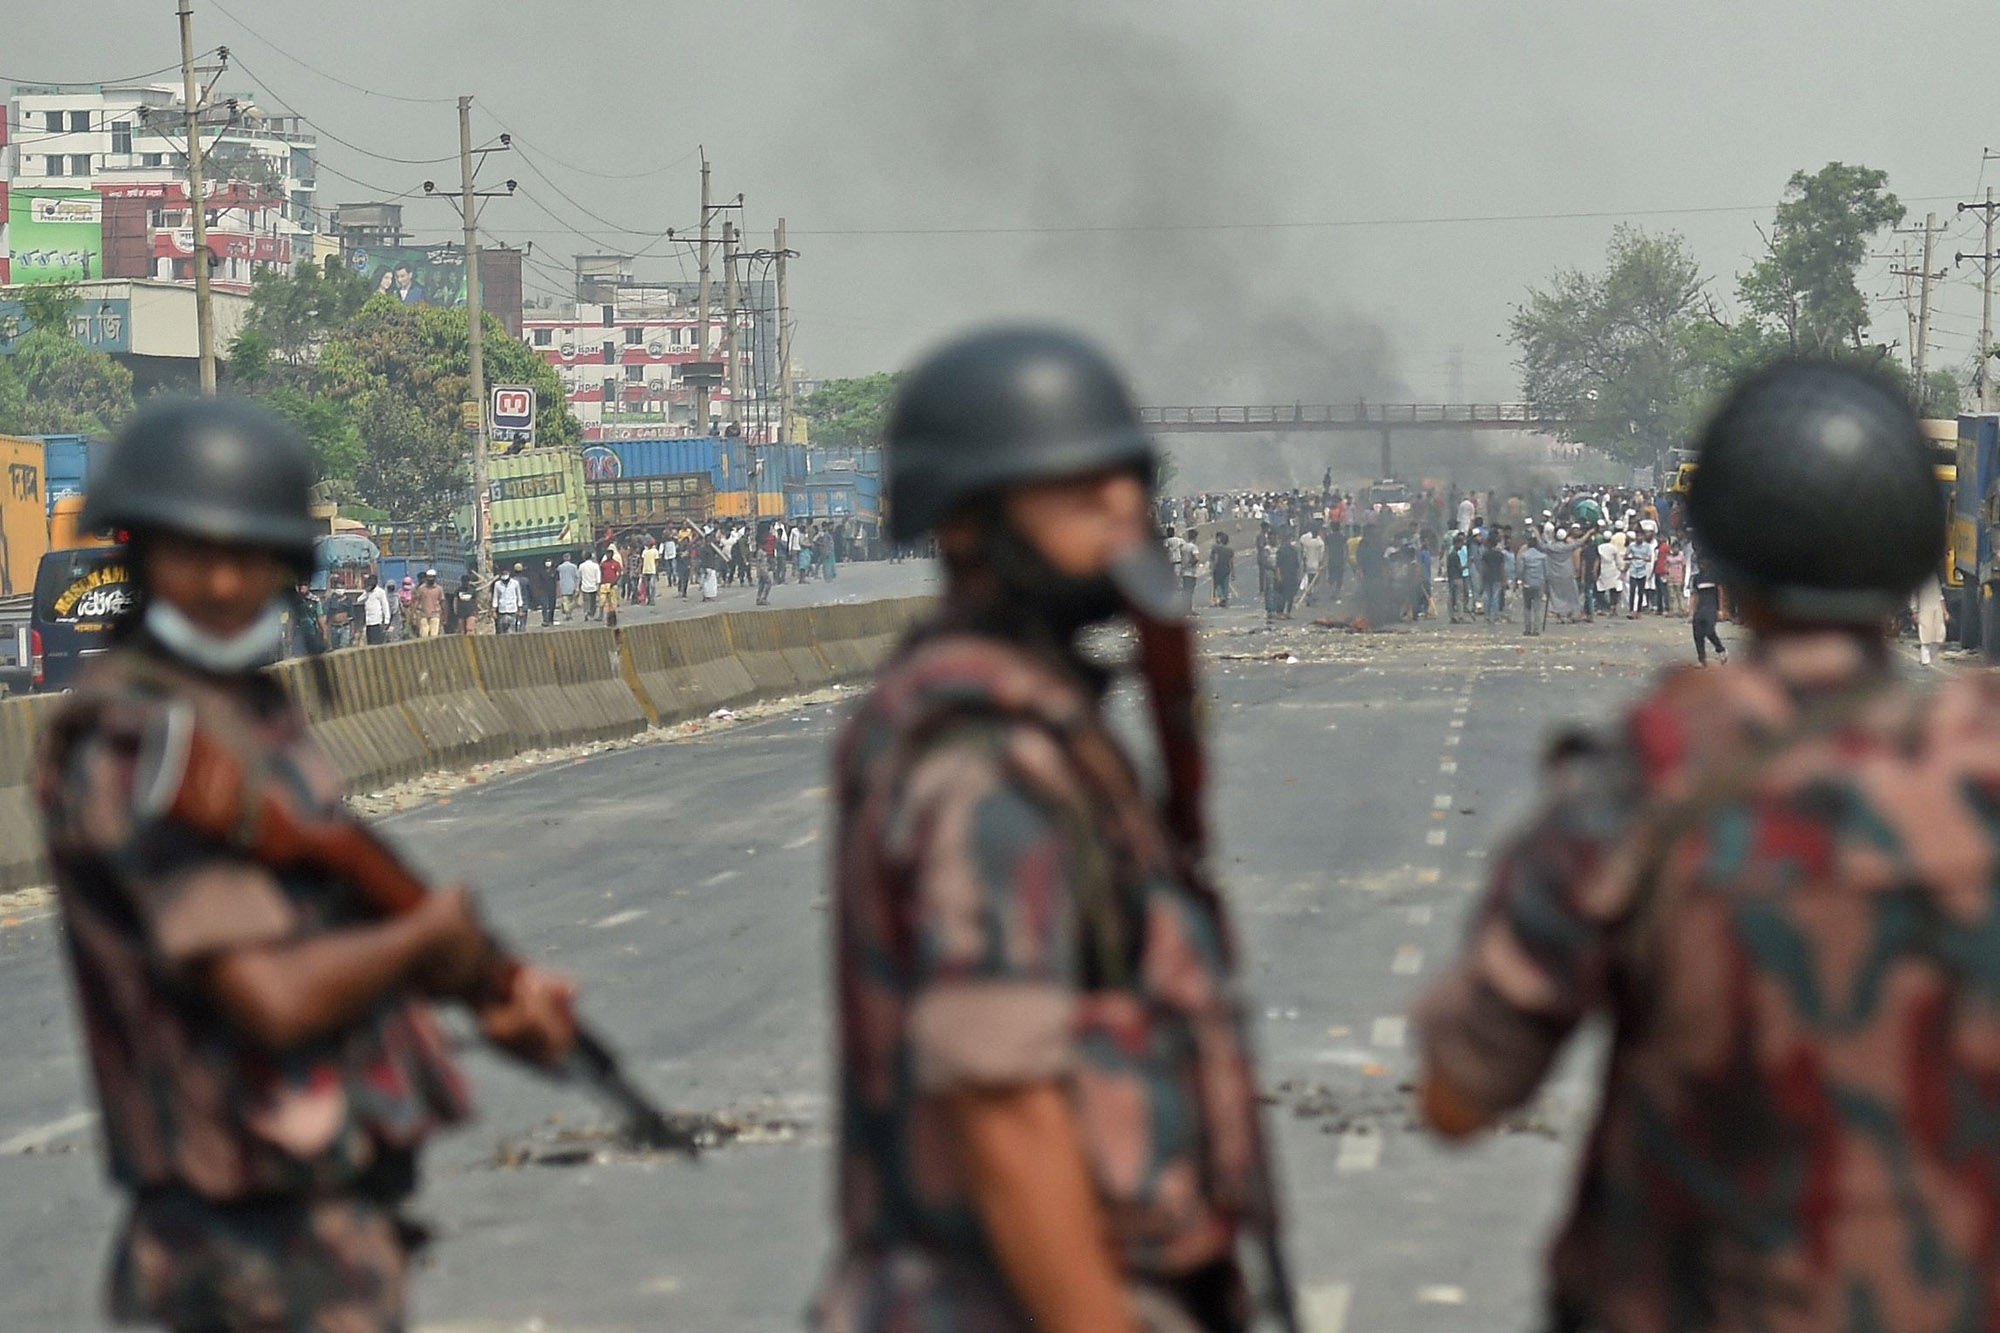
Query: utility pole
731	298
469	160
1924	311
204	309
482	524
1920	324
1982	379
1909	308
785	342
701	309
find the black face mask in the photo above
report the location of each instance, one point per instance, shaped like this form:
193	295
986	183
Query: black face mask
1039	600
1033	590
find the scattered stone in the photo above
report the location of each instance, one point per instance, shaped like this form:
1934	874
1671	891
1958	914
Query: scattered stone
1374	1108
555	1142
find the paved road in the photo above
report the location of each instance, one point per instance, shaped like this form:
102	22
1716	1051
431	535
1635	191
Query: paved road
1358	788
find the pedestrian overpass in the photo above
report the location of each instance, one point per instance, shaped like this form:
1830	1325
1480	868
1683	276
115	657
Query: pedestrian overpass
1383	419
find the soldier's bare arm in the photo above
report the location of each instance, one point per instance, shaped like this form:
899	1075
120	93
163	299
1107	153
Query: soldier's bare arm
288	992
1540	950
1024	1159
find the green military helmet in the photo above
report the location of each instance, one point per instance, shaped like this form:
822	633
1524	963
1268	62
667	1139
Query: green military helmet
221	469
1004	406
1816	490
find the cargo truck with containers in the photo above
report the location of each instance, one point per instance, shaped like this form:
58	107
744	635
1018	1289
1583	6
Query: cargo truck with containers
537	505
628	478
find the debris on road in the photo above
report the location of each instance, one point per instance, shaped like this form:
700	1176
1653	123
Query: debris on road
556	1142
1375	1109
22	901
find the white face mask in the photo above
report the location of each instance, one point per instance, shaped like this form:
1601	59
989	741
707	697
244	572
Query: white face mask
258	644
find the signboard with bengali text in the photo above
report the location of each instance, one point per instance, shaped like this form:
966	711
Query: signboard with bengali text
55	235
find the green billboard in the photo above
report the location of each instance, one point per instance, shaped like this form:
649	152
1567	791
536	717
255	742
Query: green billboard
56	235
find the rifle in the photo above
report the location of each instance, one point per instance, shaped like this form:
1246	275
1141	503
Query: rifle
1167	662
192	776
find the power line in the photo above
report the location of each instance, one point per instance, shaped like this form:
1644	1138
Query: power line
326	133
102	83
1332	224
570	228
388	196
314	70
528	160
569	199
528	150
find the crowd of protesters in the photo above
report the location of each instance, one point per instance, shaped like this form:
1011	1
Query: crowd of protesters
634	568
1566	556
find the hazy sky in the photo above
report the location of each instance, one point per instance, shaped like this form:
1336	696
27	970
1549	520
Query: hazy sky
942	162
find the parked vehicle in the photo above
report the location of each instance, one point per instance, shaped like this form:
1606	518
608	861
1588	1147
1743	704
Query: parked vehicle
79	595
24	520
341	566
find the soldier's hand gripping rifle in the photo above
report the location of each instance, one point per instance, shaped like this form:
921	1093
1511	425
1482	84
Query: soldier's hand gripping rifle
196	779
1167	662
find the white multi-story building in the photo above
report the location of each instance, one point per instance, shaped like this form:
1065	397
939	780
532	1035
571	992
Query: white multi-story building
125	145
621	360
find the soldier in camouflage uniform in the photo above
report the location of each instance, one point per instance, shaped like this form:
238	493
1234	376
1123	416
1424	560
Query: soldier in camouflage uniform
264	1062
1048	1116
1781	881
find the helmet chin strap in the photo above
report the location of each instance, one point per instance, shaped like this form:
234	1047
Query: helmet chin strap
257	644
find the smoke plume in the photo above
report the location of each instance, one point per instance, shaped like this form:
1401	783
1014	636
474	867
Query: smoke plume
1121	156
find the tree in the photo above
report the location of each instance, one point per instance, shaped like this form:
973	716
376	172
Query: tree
1804	286
13	400
398	375
329	427
69	388
412	466
56	385
850	413
423	352
291	314
1614	353
1944	395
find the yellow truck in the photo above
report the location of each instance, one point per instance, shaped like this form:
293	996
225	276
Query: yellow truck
24	515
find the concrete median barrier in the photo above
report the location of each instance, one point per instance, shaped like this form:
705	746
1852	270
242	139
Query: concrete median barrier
21	858
776	648
440	688
558	689
589	668
848	639
854	637
519	676
684	669
353	701
388	713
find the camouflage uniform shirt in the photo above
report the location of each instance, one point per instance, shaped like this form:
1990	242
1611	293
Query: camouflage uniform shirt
1010	912
265	1180
1782	884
